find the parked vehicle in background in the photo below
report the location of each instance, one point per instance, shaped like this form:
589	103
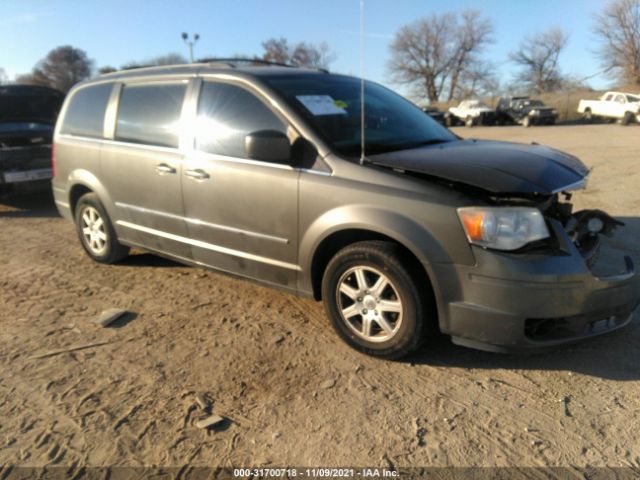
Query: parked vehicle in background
435	113
524	111
27	118
472	112
261	172
615	105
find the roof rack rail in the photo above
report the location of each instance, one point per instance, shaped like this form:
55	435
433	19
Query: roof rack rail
234	60
232	63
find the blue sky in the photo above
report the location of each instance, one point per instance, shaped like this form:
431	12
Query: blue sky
114	32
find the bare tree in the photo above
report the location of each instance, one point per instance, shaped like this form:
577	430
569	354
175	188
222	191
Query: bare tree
276	50
107	69
538	57
618	26
62	68
303	54
436	55
166	59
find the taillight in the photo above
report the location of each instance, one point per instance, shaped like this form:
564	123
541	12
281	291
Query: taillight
53	160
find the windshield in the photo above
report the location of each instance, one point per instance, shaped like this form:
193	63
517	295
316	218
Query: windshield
29	104
474	104
331	104
11	127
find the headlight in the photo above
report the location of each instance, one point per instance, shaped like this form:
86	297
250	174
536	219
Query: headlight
534	112
554	112
503	228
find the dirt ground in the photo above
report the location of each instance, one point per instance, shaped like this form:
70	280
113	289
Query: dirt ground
292	393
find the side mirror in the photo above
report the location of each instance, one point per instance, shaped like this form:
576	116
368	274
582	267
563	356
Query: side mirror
268	146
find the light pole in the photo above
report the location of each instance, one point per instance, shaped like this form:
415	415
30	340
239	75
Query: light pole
191	43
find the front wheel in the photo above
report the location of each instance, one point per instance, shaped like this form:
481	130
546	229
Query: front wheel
526	122
97	236
372	300
628	118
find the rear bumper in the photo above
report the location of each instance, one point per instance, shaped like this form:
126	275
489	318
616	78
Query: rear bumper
514	303
61	199
25	165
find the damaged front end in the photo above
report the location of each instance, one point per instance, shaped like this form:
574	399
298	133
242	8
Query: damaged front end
558	300
540	278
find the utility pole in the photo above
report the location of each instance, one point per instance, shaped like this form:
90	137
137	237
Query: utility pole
191	43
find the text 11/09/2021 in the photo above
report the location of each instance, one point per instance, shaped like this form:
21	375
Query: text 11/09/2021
318	472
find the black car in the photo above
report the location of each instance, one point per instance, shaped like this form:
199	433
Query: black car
525	111
27	117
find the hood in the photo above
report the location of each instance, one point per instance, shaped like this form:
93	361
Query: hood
498	167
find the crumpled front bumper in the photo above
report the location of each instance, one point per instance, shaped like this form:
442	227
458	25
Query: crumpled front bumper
527	301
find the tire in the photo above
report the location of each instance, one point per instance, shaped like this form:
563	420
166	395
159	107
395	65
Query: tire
468	122
526	121
627	119
588	116
448	121
387	322
95	231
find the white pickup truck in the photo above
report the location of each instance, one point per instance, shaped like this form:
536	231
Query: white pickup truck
471	112
618	105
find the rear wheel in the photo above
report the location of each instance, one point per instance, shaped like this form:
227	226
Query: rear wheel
588	116
372	300
469	121
97	236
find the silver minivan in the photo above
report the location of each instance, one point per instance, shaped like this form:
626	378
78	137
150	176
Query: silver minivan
264	172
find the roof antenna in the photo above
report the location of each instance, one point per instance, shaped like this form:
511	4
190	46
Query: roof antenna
362	118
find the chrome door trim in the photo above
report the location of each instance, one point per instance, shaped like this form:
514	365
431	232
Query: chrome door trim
195	221
209	246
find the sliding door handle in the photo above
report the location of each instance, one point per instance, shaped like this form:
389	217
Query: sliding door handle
198	174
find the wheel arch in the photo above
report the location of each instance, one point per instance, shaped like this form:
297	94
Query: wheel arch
340	239
82	182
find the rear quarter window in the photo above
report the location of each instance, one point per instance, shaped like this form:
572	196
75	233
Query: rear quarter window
85	113
149	114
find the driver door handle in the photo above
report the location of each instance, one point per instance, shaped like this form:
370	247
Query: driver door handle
198	174
164	168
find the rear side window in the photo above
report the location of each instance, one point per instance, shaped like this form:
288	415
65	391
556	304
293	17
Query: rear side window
149	114
85	113
226	114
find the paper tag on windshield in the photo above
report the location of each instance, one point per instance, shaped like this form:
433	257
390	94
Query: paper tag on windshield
321	105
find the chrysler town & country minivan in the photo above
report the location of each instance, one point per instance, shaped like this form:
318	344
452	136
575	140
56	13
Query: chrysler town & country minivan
262	172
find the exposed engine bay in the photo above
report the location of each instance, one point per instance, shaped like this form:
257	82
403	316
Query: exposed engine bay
583	227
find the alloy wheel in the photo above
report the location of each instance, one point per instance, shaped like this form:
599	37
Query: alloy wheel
369	303
93	230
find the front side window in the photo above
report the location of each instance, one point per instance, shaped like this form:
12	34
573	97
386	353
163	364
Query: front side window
85	113
331	105
226	115
150	114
